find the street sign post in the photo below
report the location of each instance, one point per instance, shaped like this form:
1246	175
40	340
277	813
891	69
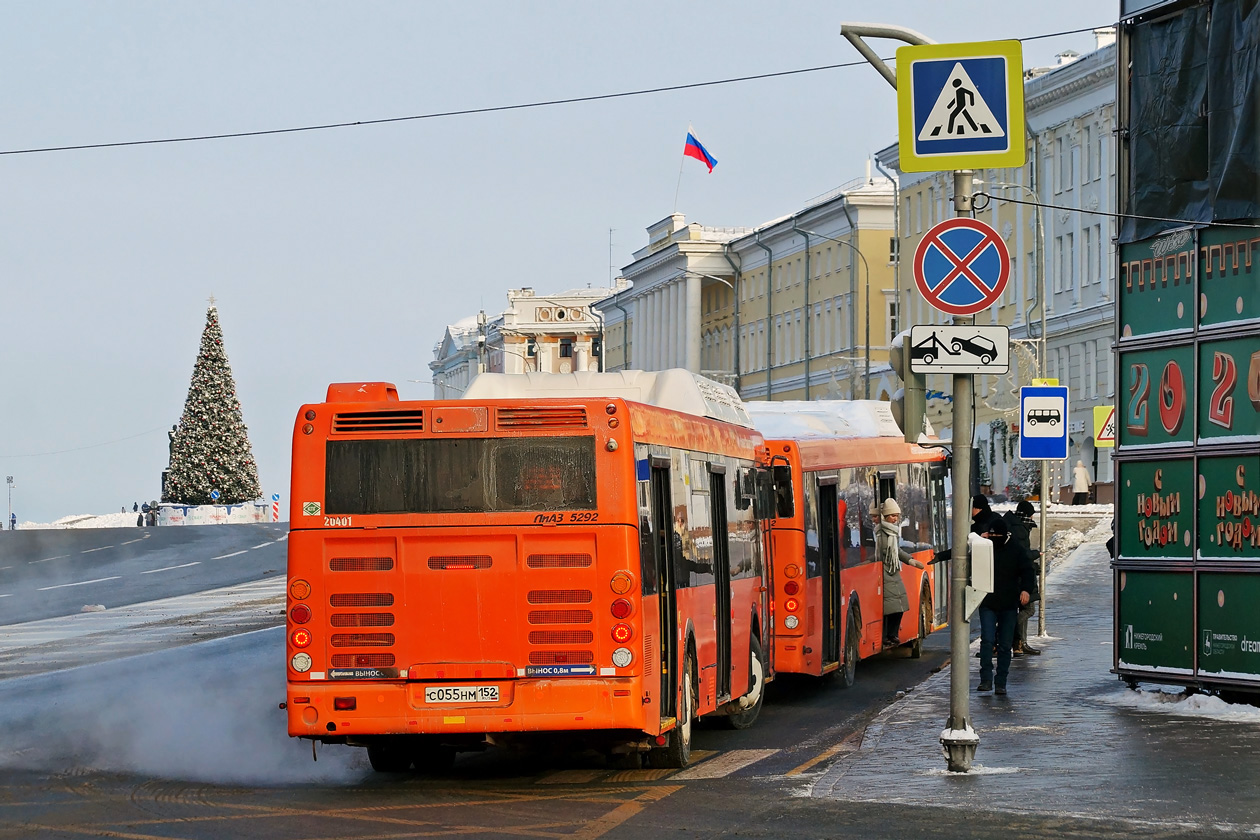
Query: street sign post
960	106
1104	426
1043	427
961	266
954	348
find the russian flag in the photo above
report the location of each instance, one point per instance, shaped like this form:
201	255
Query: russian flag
695	150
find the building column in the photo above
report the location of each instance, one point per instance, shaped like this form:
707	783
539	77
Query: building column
691	323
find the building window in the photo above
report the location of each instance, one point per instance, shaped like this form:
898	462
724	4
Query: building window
1069	252
566	348
1088	233
1058	263
894	319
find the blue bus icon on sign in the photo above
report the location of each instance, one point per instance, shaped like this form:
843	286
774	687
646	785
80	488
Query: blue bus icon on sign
960	106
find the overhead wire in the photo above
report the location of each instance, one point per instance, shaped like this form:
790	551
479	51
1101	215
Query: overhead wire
463	112
1109	214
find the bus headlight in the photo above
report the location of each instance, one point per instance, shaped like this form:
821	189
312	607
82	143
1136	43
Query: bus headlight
301	662
622	657
790	622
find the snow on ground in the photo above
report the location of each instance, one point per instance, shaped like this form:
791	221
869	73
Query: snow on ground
1175	701
85	520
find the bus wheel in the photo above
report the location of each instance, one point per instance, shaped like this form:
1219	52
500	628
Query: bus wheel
677	753
745	717
848	671
925	607
388	759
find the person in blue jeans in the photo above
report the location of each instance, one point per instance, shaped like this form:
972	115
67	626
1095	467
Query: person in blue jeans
1012	583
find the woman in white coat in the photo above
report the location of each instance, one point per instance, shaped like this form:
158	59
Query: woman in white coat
1080	484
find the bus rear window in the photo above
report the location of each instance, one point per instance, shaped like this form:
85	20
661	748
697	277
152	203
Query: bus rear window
459	475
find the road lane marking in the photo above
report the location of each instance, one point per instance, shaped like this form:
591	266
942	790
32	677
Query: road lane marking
129	542
7	595
233	554
168	568
624	811
261	545
725	764
77	583
46	559
90	550
846	746
2	568
282	538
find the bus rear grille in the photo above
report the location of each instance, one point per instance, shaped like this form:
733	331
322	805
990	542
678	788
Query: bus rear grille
363	660
361	564
362	620
561	657
542	418
362	639
558	561
559	596
362	599
378	421
647	656
561	617
472	561
559	637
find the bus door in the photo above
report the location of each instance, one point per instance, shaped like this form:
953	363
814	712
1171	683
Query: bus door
721	575
829	559
663	527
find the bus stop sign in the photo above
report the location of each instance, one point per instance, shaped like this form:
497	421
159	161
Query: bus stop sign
1043	428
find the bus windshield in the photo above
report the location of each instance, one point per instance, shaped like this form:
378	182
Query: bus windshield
459	475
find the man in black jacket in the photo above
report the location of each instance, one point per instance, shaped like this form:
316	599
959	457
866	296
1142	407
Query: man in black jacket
1021	523
1012	588
981	513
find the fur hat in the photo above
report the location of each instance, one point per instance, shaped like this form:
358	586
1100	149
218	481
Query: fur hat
889	507
1024	508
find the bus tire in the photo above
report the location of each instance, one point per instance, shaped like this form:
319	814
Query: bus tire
386	758
925	610
677	753
852	637
745	718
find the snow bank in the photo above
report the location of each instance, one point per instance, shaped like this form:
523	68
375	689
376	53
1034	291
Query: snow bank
1165	701
256	511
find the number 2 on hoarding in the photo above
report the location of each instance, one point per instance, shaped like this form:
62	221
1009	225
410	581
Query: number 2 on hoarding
1139	389
1225	375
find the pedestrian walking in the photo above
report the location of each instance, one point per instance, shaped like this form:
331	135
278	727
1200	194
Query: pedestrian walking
892	555
981	513
1021	523
1012	587
12	521
1080	484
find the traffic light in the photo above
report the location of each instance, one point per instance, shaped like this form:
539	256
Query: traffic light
909	404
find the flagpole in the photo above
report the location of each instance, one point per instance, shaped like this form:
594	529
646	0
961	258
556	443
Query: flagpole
681	164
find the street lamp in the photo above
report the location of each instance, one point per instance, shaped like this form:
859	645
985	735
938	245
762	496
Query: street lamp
9	480
866	388
1042	369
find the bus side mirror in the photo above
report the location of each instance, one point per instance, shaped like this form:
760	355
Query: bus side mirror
785	503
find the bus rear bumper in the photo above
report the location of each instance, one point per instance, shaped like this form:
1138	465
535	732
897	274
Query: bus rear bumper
345	709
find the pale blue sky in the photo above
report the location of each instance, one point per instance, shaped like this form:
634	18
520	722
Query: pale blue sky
342	254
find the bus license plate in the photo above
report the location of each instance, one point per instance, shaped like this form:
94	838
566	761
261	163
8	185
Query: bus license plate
462	694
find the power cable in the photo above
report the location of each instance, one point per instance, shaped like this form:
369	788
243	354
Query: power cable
1185	222
463	112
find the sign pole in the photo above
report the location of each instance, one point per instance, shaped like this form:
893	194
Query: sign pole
959	739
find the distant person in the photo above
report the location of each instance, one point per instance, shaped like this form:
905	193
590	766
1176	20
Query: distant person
1012	589
12	521
981	513
135	506
892	555
139	520
1080	484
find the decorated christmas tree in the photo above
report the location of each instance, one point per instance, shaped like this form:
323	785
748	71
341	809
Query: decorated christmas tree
212	461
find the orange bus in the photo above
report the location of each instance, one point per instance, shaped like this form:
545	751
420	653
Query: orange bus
837	460
552	553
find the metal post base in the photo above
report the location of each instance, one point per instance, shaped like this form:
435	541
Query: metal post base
959	746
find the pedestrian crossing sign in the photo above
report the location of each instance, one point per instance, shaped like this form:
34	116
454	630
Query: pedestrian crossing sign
960	106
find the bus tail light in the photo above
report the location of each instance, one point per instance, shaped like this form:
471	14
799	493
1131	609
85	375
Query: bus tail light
791	587
622	633
300	590
300	614
791	605
622	657
345	704
621	608
301	638
621	583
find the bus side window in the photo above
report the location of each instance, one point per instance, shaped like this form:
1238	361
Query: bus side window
936	495
647	542
785	505
745	489
765	495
